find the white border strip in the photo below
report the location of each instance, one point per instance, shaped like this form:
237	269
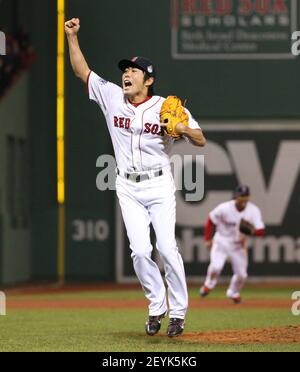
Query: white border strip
236	56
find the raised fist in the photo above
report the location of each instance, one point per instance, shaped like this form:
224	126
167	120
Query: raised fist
72	26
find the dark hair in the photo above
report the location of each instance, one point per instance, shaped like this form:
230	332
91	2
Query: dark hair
151	88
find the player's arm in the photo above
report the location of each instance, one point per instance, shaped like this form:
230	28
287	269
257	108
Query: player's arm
259	228
194	135
78	62
249	229
260	232
209	231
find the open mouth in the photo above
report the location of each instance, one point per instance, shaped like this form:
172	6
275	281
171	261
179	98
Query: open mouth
127	83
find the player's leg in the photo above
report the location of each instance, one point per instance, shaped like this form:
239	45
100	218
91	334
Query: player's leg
136	219
218	256
239	262
163	221
163	215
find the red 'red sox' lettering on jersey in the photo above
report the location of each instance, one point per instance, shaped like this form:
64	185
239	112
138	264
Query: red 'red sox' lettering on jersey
121	122
135	130
153	129
149	128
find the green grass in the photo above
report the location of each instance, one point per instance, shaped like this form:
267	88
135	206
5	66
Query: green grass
133	294
123	330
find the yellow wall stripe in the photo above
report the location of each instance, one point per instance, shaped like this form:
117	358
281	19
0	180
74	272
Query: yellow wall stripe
60	132
60	100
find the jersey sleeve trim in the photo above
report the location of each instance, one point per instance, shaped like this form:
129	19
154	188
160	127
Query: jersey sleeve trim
260	232
209	230
193	124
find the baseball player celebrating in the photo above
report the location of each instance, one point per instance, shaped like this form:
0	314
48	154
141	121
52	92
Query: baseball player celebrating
232	222
145	186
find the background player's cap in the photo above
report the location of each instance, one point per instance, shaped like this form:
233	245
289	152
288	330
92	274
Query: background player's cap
242	190
140	62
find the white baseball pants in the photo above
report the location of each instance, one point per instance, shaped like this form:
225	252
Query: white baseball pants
142	203
238	257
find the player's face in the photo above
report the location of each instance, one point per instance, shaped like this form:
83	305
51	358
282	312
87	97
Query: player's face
241	202
133	82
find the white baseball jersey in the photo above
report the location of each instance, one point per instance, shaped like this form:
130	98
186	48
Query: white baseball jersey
140	145
138	140
227	219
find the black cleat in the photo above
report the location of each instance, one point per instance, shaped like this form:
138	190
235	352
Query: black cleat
153	324
175	327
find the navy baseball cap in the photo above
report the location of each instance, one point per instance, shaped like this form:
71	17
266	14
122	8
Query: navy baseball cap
242	190
142	63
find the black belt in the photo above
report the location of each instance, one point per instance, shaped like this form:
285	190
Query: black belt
137	177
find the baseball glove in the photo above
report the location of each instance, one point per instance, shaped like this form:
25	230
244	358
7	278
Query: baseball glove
246	227
171	113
